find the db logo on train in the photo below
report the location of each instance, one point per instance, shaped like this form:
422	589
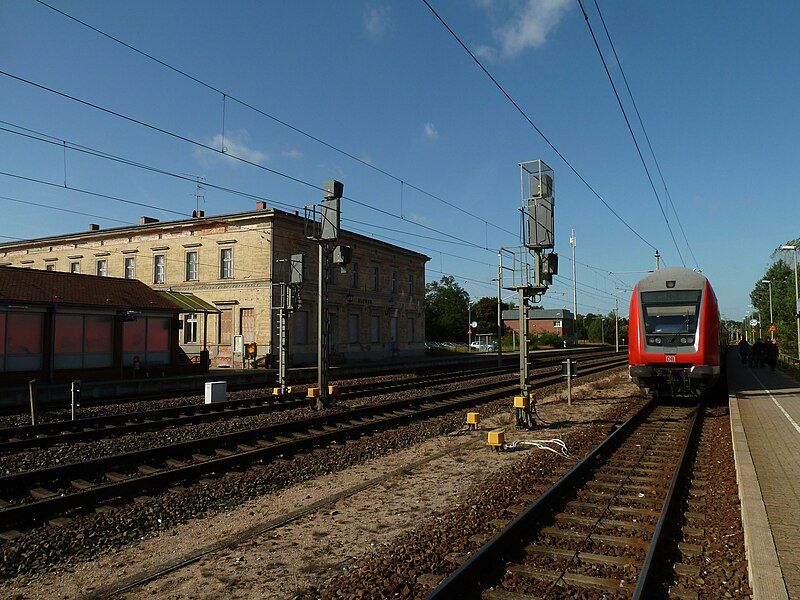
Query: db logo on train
670	358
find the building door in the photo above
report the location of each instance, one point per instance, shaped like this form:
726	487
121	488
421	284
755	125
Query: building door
225	337
248	325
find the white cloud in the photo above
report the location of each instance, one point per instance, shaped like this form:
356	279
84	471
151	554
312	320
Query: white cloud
293	153
527	25
377	20
486	52
235	144
417	218
430	131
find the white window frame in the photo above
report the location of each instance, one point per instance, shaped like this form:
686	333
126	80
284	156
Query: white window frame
163	268
102	271
50	267
376	278
130	260
226	264
75	267
190	328
353	336
394	282
410	285
354	276
189	264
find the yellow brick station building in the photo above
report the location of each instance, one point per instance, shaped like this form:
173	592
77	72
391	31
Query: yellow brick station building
376	309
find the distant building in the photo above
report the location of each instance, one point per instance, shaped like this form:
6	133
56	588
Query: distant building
559	321
231	262
64	326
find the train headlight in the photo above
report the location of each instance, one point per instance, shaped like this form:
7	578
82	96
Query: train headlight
657	341
690	340
683	340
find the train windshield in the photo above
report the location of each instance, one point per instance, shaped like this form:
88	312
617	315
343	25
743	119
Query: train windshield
672	311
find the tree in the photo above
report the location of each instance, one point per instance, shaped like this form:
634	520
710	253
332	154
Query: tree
783	304
484	311
445	311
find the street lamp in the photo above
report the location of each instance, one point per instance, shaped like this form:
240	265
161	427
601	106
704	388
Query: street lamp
796	295
771	321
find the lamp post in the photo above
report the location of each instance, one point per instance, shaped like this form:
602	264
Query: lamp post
616	322
796	296
771	320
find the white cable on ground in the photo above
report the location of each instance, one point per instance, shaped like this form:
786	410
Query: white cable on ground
560	449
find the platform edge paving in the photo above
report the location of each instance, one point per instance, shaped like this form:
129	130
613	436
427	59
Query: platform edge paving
763	567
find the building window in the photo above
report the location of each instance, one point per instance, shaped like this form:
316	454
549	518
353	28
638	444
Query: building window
352	328
410	285
159	268
393	330
354	275
300	320
410	330
226	263
375	329
190	328
50	267
376	279
75	267
102	268
394	282
130	267
556	324
191	266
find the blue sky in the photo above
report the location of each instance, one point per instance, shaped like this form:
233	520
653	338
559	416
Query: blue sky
716	82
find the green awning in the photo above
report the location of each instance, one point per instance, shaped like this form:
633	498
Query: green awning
189	303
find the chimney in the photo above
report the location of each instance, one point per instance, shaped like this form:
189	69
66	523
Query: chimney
296	213
261	205
94	227
198	214
146	220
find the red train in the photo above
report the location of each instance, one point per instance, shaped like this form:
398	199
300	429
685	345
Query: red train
675	347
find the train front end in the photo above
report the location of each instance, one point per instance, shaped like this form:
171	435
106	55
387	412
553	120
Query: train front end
674	334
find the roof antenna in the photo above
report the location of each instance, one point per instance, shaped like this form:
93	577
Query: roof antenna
199	189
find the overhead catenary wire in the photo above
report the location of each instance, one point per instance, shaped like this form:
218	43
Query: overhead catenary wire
227	96
536	128
210	148
630	130
644	131
47	138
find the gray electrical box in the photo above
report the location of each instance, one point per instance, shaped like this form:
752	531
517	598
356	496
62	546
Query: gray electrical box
298	268
330	219
538	203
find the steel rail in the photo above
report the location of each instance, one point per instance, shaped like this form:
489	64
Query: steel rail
15	439
486	560
647	577
457	584
286	439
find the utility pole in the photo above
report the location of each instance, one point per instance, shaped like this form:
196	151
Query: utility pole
771	319
602	333
616	322
326	233
574	242
500	309
658	260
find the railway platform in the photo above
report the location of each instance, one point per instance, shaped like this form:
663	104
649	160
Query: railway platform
765	422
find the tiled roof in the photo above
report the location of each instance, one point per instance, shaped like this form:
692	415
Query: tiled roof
55	287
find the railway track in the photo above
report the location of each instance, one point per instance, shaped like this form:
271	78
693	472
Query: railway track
602	529
15	439
86	485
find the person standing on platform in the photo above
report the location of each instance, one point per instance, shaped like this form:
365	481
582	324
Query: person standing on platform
757	354
744	351
771	352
